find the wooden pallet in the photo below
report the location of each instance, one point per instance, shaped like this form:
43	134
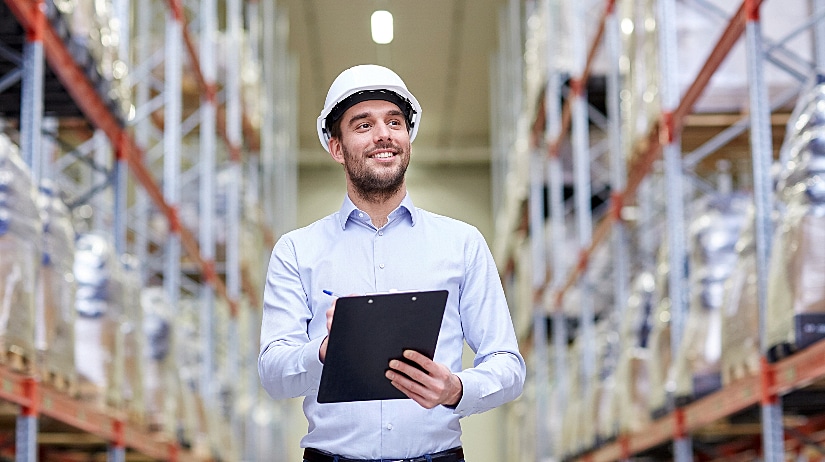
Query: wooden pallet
17	359
746	365
60	382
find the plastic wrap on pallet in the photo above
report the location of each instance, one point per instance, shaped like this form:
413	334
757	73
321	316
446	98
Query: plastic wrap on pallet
629	402
740	312
796	291
92	34
165	395
796	287
18	207
55	313
131	341
99	306
660	357
20	252
572	438
96	271
192	419
159	362
249	73
608	345
195	420
253	261
713	235
640	77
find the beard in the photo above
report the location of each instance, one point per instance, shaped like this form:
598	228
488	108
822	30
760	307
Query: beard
376	184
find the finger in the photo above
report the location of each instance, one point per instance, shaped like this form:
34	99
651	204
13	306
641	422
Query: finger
419	359
428	390
410	371
330	314
413	390
322	352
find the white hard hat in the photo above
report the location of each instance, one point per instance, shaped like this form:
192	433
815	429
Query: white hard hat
362	83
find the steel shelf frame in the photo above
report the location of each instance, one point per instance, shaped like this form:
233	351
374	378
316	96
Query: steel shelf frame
36	399
663	143
781	378
44	45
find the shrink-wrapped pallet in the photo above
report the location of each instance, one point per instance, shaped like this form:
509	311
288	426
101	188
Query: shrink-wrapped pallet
92	33
130	341
605	418
55	307
629	403
660	351
796	280
740	312
189	358
160	384
99	305
796	288
713	235
574	412
20	253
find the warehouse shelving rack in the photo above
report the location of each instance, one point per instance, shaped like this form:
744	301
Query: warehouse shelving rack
522	208
137	145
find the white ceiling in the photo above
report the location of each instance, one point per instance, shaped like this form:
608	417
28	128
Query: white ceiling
441	49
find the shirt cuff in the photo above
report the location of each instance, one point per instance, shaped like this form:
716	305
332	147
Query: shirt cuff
470	395
312	363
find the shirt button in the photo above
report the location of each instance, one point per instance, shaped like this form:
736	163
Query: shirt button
360	215
381	266
380	233
389	426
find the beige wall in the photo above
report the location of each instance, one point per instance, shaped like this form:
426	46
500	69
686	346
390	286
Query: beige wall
461	192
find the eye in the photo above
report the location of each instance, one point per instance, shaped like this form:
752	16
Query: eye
363	126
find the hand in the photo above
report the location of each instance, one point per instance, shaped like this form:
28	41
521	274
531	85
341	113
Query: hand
322	352
429	389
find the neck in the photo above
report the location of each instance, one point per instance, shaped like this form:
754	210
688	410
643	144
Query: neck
378	206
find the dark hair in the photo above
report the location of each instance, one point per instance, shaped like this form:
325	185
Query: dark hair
334	129
333	121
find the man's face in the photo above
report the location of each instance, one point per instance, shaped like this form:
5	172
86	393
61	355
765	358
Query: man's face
374	148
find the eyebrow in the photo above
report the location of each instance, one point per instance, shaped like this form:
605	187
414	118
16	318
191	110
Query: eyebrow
364	115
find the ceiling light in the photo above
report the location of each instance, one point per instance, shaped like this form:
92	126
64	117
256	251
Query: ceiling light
381	22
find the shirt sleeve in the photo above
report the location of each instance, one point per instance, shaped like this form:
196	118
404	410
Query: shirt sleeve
498	371
288	364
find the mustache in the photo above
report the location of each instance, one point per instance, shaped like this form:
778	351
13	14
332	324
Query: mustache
385	145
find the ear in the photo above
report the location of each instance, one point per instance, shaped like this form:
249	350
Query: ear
336	150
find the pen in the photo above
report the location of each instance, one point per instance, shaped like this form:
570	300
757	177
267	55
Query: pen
332	294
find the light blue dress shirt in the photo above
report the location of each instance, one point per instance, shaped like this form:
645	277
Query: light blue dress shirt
415	250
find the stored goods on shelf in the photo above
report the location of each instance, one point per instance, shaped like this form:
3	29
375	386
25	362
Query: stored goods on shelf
712	236
20	254
92	35
632	383
55	313
796	286
159	363
99	304
572	437
660	352
740	313
130	343
605	424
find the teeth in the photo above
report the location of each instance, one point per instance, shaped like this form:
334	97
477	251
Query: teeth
383	155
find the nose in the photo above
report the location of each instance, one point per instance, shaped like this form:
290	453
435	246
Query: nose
382	132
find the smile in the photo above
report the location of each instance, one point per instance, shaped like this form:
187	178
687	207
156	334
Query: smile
383	155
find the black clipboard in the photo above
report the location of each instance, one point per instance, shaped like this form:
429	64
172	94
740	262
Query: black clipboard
367	332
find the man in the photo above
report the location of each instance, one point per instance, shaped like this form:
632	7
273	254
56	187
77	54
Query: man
379	242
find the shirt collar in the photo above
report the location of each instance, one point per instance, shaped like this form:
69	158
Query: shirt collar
348	208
